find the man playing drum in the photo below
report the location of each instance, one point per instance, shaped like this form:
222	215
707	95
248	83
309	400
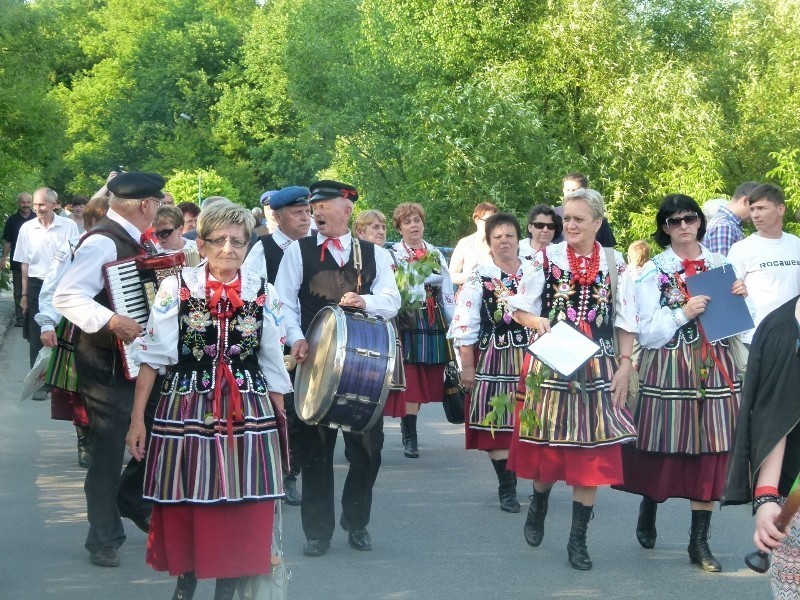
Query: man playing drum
318	271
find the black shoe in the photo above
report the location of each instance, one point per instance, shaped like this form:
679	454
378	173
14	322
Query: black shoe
105	557
507	487
699	552
576	547
646	526
533	530
292	497
410	449
141	521
359	539
84	456
316	547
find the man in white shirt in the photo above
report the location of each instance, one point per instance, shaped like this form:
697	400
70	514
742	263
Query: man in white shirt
81	298
315	272
291	211
39	240
769	259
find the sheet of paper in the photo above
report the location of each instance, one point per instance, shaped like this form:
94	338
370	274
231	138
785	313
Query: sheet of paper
564	349
726	314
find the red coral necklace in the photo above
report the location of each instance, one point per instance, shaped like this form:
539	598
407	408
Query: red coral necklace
583	272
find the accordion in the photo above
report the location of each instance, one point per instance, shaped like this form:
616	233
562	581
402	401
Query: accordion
131	285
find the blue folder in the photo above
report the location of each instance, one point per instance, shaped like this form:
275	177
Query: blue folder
726	314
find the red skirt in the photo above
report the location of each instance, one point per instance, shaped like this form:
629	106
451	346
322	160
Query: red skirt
213	540
662	476
583	467
68	406
482	439
424	384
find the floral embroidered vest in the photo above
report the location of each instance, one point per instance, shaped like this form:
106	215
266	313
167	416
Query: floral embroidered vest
674	295
202	344
566	300
497	326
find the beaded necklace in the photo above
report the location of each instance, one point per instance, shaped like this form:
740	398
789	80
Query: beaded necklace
584	275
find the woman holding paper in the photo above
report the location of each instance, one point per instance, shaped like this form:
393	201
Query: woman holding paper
492	345
571	428
689	388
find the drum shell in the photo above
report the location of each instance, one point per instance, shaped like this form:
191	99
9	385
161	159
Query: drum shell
345	379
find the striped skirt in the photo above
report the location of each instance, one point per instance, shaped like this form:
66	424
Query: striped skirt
577	412
427	344
192	459
496	373
681	412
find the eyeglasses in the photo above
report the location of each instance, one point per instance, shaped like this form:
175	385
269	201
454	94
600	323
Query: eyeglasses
219	242
541	225
689	219
165	233
158	201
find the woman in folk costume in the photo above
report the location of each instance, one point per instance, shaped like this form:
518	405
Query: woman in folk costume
689	389
492	346
214	458
423	330
765	458
580	421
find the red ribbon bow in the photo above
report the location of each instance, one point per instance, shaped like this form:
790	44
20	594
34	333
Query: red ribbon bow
331	241
225	374
231	290
693	267
348	193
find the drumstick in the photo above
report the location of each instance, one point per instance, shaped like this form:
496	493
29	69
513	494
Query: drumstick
758	560
290	362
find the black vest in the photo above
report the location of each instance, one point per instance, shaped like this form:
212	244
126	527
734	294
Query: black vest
325	282
273	255
126	247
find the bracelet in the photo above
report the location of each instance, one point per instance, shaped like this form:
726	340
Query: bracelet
766	499
624	356
766	490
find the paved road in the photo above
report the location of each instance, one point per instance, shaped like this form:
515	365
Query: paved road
436	529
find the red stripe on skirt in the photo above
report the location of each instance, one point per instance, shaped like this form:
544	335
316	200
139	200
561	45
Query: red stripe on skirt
424	384
214	541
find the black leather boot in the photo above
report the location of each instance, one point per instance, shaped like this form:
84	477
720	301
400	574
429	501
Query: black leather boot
84	457
507	486
534	523
292	497
699	552
411	450
403	431
184	590
576	547
225	588
646	526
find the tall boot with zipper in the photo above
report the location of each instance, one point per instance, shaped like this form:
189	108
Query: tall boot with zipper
410	424
699	552
534	522
84	456
646	525
576	547
507	486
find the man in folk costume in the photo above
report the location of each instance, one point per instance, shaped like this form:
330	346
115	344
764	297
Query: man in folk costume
318	271
291	210
81	297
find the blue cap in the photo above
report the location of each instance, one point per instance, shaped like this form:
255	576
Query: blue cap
294	195
265	196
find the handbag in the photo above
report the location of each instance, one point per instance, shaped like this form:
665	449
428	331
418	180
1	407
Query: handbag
454	395
274	586
398	381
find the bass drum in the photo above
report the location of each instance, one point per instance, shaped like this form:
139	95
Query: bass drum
344	381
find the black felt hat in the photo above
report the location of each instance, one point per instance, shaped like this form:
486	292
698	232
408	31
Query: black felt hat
134	185
327	189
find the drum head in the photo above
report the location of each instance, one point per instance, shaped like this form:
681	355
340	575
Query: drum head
317	377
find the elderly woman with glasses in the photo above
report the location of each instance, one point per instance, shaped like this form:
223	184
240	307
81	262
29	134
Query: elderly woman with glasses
544	225
689	388
168	229
573	427
214	459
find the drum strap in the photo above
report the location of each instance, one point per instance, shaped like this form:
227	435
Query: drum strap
357	263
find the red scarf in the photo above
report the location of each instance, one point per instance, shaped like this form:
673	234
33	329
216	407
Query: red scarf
331	241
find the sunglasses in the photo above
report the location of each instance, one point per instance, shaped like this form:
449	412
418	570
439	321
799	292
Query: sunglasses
689	219
540	225
165	233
